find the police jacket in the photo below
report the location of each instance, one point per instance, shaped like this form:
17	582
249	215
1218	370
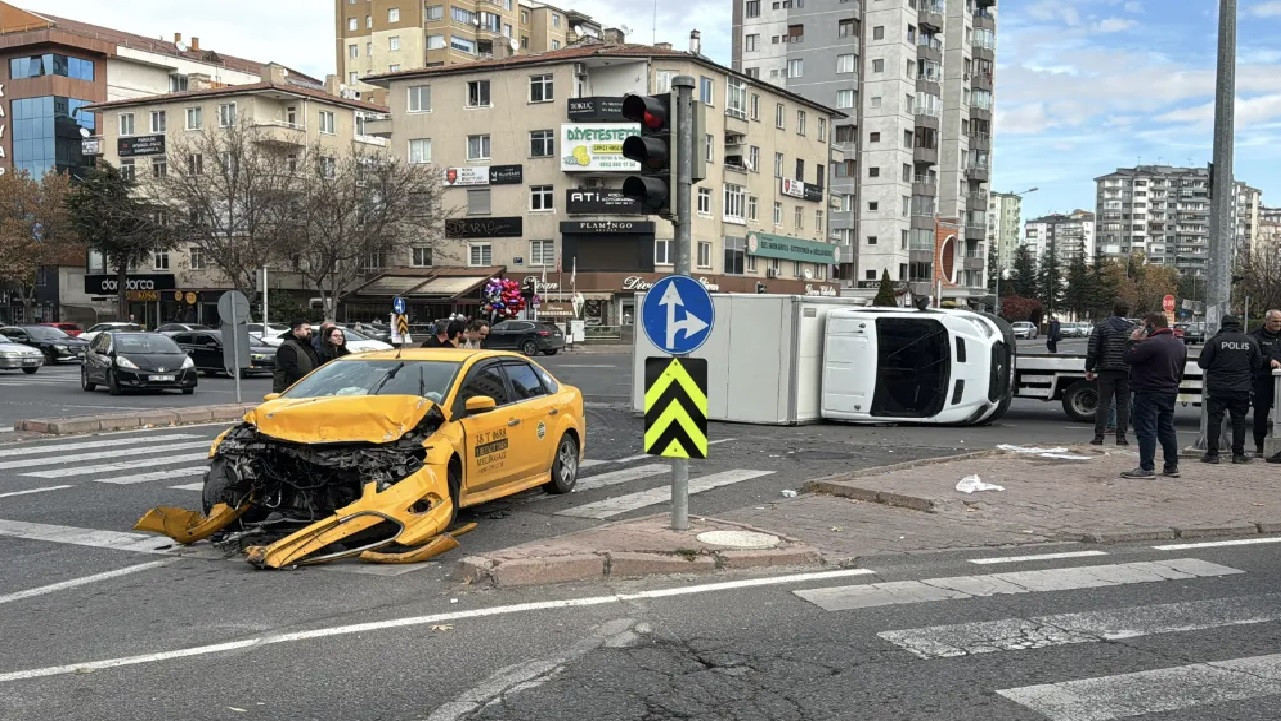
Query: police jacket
1230	360
1270	345
1107	345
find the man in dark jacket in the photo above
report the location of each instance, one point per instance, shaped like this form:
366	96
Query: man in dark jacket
1269	339
1157	360
295	358
1104	364
1053	335
448	334
1230	360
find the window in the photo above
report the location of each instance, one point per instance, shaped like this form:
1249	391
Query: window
907	138
754	158
706	90
871	240
845	28
845	62
195	164
704	201
478	94
352	24
353	77
799	217
393	43
328	167
822	130
845	133
195	118
126	124
542	253
227	115
478	147
873	172
435	12
878	65
369	48
160	261
196	259
709	147
421	257
736	98
752	72
752	207
662	252
800	122
795	34
800	169
780	116
479	255
159	167
327	122
756	107
704	259
796	68
353	51
435	42
735	252
752	42
873	205
127	169
542	144
393	68
393	15
844	98
778	213
369	21
844	169
778	165
735	203
420	150
478	201
555	45
874	102
555	20
419	98
462	45
878	32
540	197
540	89
874	138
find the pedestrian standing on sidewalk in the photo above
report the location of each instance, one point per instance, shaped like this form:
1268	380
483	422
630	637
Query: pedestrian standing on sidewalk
1157	360
1230	360
1105	364
1269	339
1054	335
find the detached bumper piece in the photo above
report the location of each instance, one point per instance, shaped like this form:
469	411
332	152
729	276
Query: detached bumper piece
187	527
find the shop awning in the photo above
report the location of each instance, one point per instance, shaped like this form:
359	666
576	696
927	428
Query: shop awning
392	285
448	287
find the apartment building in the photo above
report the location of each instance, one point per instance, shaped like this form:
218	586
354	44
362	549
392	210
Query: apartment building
1066	235
388	36
531	147
912	162
144	135
1164	212
1004	220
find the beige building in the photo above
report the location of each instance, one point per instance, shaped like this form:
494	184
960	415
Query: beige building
387	36
531	147
142	136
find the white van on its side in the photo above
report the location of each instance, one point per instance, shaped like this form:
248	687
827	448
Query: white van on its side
934	366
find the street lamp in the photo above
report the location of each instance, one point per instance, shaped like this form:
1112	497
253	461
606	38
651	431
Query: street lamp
999	269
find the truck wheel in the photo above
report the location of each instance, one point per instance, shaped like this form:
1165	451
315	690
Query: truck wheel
1080	400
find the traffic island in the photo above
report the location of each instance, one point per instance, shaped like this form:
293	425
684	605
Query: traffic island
637	548
157	418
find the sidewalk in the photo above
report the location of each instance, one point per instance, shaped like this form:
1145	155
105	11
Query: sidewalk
915	506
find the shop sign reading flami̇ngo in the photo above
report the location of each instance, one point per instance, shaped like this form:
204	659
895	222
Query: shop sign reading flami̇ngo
596	146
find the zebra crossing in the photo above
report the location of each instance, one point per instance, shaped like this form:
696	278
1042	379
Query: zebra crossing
1164	684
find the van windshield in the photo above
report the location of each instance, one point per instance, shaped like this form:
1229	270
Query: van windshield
913	368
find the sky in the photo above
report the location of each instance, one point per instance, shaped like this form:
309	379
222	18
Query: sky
1082	86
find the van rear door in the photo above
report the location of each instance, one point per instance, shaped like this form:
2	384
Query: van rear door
849	365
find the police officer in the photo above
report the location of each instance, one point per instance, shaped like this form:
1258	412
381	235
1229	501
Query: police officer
1230	360
1269	339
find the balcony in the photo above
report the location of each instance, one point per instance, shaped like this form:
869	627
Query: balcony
925	155
976	231
980	141
845	254
980	112
984	19
929	48
378	126
372	140
929	85
978	171
923	221
981	80
279	132
973	262
927	118
930	15
977	199
924	185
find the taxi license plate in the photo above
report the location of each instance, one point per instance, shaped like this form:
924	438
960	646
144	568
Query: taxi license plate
162	378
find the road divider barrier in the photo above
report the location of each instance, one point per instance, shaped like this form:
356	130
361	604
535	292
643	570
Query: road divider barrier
151	418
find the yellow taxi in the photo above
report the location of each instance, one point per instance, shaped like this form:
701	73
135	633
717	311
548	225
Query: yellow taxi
372	455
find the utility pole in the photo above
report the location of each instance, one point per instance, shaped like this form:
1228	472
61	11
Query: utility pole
683	87
1222	191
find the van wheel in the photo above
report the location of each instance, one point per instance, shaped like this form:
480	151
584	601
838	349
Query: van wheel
1080	401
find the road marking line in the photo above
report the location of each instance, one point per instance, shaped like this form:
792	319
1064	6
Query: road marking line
97	455
190	487
586	366
61	447
1045	556
33	490
6	429
112	467
167	474
1104	698
1212	544
846	598
613	478
1018	634
592	463
82	581
611	507
412	621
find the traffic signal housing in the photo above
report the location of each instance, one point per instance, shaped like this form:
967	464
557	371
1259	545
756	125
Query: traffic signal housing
655	150
760	287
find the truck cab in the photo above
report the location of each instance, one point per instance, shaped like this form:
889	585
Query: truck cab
933	366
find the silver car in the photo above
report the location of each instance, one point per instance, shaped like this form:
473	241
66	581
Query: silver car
16	355
1024	330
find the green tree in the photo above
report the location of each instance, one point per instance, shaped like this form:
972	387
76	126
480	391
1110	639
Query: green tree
885	294
1105	280
111	219
1022	280
1077	293
1049	278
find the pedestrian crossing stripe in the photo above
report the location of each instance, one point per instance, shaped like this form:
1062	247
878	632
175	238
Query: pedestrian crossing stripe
676	407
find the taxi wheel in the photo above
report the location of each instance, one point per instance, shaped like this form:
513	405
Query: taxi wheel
455	481
564	466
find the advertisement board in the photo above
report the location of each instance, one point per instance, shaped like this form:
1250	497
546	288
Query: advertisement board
596	146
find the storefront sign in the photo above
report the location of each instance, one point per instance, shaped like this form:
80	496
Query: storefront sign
142	296
539	285
596	146
591	110
467	175
107	285
635	282
826	291
804	191
91	146
142	145
506	174
506	227
600	227
600	202
764	245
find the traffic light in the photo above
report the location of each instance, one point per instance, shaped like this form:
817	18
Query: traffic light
760	287
655	150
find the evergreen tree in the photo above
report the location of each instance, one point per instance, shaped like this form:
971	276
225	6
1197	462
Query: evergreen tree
1022	280
1077	296
885	294
1049	278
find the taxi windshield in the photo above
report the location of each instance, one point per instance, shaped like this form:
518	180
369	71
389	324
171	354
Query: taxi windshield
427	379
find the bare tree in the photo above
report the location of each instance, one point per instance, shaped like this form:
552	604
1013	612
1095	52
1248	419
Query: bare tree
35	229
1262	271
225	188
351	207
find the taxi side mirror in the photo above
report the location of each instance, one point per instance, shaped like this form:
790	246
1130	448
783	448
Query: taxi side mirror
271	396
480	404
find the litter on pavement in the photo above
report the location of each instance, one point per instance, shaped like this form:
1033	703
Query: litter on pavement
970	484
1031	449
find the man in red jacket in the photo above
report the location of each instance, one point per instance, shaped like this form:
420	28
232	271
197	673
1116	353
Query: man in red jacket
1157	360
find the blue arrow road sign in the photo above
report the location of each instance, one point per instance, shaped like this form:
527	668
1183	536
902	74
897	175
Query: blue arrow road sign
398	305
678	314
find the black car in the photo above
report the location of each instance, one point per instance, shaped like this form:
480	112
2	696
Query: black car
527	336
136	361
53	343
180	327
205	349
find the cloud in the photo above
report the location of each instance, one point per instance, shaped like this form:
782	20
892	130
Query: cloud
1270	9
1021	119
1134	7
1115	25
1248	112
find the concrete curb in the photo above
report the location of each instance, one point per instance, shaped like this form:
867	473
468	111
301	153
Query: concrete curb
1168	533
836	485
160	418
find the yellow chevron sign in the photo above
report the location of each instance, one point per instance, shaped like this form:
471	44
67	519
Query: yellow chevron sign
402	324
676	407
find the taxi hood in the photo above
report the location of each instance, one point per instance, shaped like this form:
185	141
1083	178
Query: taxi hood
342	419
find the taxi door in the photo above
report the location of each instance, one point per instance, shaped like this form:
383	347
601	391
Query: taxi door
488	438
539	419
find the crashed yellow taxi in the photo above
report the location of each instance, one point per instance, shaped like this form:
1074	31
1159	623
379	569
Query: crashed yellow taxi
372	455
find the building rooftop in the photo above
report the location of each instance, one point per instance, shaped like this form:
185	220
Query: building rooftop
235	90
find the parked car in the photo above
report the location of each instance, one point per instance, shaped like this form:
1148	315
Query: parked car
178	327
53	343
1193	332
359	342
527	336
136	361
1077	329
120	326
16	355
71	329
270	334
204	347
1024	330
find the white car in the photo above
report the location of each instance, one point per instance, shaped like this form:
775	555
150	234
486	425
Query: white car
1024	330
360	343
271	337
17	355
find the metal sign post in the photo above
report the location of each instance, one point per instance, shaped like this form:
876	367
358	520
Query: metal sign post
233	308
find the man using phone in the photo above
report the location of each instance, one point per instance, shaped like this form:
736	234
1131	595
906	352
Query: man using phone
1157	360
1269	339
